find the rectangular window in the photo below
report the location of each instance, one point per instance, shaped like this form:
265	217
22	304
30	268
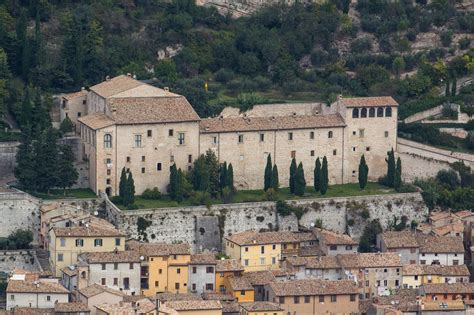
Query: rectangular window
311	153
63	242
386	134
109	172
171	158
157	284
296	299
193	287
242	292
160	271
241	138
143	158
138	141
126	283
293	154
209	287
307	298
290	136
60	257
107	181
148	133
333	298
115	266
128	159
48	298
262	137
311	135
361	133
158	166
115	281
143	170
273	260
209	269
214	140
97	242
178	271
12	297
262	249
455	262
176	286
281	299
333	247
130	266
79	242
334	152
194	269
353	297
262	261
181	138
246	249
321	299
246	262
170	132
190	158
103	281
117	241
104	266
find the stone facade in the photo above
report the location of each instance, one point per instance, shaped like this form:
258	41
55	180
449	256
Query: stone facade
7	158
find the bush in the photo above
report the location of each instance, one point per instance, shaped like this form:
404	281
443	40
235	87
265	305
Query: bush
411	35
464	43
470	125
271	194
407	188
152	194
446	38
19	239
448	179
227	195
199	198
361	45
224	75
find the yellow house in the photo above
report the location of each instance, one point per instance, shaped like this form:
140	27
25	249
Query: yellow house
260	251
416	275
240	288
260	308
164	267
224	269
95	235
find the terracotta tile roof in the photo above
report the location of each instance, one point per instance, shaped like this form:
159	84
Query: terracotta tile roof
71	307
31	311
414	270
439	215
314	287
203	259
194	305
333	238
369	260
279	273
313	250
212	125
259	238
403	239
217	296
224	265
368	101
305	236
439	244
164	297
404	299
95	289
111	257
464	213
70	96
322	262
96	227
152	110
96	121
240	284
161	249
230	307
115	85
259	277
447	288
143	306
19	286
68	271
261	306
443	306
449	228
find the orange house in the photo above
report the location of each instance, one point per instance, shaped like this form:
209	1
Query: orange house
226	268
240	288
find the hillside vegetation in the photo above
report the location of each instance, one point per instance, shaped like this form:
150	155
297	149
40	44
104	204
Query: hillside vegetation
299	52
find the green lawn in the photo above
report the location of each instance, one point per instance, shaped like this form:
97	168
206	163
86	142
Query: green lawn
345	190
80	193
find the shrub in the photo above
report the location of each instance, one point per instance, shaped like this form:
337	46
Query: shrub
464	43
152	194
224	75
448	179
361	45
227	195
411	35
199	198
407	188
446	38
271	194
470	125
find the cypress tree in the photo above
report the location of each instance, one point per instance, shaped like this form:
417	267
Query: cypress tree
179	195
275	181
454	87
25	115
174	182
223	176
300	182
213	168
268	174
397	183
446	91
67	173
292	175
390	168
324	177
363	172
317	175
130	189
230	177
123	186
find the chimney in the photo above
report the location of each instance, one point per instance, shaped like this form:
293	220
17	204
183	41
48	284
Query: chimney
107	78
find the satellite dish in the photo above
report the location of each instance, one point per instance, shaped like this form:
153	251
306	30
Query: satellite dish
142	258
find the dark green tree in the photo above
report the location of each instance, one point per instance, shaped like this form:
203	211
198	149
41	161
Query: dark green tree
454	87
447	91
390	168
324	176
300	182
268	174
230	177
363	172
39	114
369	236
26	110
223	176
275	183
317	175
200	174
46	159
66	125
25	171
67	173
123	186
130	189
174	182
213	167
397	181
293	168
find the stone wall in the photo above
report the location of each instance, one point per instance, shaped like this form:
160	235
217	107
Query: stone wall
22	259
7	158
197	225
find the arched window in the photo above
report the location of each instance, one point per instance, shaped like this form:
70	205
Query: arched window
355	113
380	112
363	113
388	112
107	141
372	112
330	134
83	275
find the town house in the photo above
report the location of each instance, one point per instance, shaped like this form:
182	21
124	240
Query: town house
202	273
417	275
226	268
322	267
332	243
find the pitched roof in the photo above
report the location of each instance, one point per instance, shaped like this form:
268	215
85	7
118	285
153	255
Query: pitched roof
203	259
71	307
194	305
95	289
443	306
30	311
160	249
212	125
464	213
333	238
369	260
449	288
70	96
240	284
224	265
368	101
314	287
115	85
404	300
414	270
96	121
252	237
402	239
313	250
259	277
20	286
447	229
111	257
94	227
151	110
261	306
164	297
143	306
440	244
218	296
69	271
321	262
